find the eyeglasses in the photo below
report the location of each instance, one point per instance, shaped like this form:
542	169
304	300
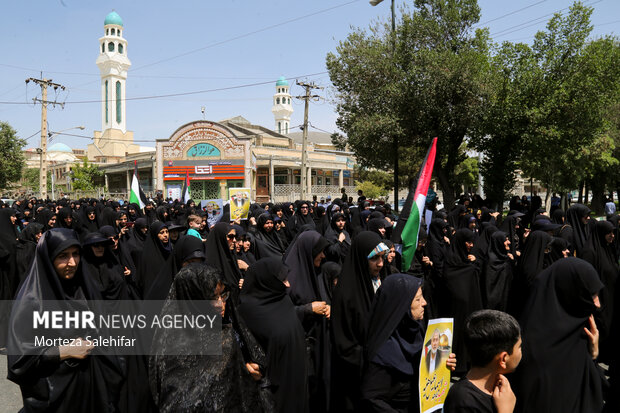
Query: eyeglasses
303	207
231	236
222	297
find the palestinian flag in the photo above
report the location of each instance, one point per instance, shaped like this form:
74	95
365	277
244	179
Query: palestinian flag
185	193
410	219
136	195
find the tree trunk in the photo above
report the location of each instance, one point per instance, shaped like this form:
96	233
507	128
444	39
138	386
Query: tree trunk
446	187
598	195
563	201
548	201
580	199
585	195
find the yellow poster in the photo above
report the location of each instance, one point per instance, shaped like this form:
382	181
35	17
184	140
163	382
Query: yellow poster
434	375
239	199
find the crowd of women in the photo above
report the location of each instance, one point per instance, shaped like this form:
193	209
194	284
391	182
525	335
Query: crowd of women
318	314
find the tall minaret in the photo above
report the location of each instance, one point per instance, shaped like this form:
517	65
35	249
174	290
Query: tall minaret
113	64
282	108
114	141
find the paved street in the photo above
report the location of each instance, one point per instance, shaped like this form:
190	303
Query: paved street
10	396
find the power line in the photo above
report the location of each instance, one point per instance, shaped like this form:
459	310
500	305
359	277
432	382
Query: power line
509	14
279	24
196	92
532	22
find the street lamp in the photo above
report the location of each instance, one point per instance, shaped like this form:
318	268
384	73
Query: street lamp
395	137
51	136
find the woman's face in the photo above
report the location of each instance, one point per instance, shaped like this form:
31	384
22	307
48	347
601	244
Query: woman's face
469	245
66	263
375	264
239	245
391	254
68	221
163	235
304	209
246	245
417	305
52	222
220	298
507	244
230	237
268	226
609	237
121	221
91	215
38	236
13	219
98	250
340	224
318	259
381	231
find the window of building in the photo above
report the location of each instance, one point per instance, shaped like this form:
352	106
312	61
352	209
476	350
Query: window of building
113	32
277	101
110	47
279	127
280	176
106	101
120	48
118	102
102	47
107	32
319	180
328	181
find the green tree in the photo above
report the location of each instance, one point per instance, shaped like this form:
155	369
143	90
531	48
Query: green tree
466	174
371	191
432	85
85	176
11	156
30	179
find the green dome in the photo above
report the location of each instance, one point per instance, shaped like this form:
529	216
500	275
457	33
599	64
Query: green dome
59	147
113	18
282	81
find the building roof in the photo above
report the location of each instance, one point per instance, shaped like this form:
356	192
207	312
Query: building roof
113	18
314	137
282	81
59	147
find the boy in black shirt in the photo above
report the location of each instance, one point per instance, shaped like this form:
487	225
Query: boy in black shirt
493	339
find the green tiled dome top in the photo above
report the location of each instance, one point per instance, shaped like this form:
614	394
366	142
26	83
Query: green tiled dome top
113	18
282	81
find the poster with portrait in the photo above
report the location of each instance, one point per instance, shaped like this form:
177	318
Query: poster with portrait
434	375
213	208
239	199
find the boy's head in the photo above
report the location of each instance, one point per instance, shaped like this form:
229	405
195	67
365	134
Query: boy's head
194	221
493	337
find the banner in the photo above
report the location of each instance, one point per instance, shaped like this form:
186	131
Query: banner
239	199
434	375
214	209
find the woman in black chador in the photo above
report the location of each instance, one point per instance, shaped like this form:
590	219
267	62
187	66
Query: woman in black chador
203	383
350	309
558	372
268	244
270	315
312	301
497	274
78	378
157	268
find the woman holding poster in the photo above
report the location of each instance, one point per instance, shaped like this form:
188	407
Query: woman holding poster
394	347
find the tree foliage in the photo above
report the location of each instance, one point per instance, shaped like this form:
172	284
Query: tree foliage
431	84
30	179
11	157
85	176
370	189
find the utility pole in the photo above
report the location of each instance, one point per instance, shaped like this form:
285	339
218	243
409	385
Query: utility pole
304	153
44	84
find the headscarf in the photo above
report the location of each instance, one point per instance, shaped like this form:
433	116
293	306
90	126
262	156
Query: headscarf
268	244
395	339
303	275
497	275
219	255
157	268
581	232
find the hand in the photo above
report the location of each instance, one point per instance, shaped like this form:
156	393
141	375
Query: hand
237	221
593	337
127	272
252	221
526	232
451	362
241	283
446	240
124	230
512	257
242	265
254	370
503	397
471	257
427	261
341	237
319	307
78	349
494	214
328	311
518	253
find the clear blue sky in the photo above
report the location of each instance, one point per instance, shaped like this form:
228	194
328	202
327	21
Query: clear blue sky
196	45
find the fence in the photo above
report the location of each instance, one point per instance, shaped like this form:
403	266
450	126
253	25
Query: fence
289	192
